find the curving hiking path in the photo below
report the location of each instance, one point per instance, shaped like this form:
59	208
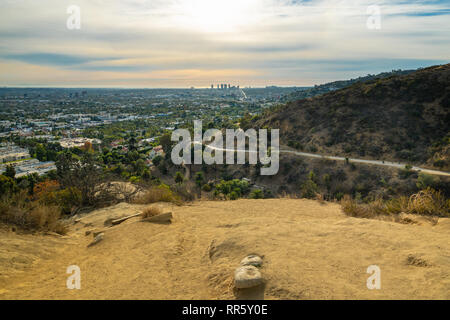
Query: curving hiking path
363	161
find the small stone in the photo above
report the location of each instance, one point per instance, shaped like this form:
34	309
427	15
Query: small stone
97	239
160	218
50	233
252	260
108	222
88	232
247	277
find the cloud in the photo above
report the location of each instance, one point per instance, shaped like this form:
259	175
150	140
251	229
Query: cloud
285	41
50	59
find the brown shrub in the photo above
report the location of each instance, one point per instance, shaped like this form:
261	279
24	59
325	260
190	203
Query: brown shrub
151	212
427	202
47	218
159	194
354	209
34	216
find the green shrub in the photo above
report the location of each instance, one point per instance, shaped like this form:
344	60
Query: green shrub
7	185
234	195
257	194
239	187
179	178
67	199
206	188
425	180
309	188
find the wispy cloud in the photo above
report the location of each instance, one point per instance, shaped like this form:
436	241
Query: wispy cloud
196	42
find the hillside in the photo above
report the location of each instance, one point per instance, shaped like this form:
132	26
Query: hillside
403	118
340	84
310	250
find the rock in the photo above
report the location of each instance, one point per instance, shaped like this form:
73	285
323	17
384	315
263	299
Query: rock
119	221
108	222
160	218
50	233
247	277
88	232
252	260
97	239
97	232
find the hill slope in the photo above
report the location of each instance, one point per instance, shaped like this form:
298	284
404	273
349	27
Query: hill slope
310	251
404	118
336	85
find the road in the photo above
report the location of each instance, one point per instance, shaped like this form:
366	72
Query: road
363	161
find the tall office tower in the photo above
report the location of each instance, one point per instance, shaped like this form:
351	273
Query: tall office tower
212	86
221	86
218	86
229	86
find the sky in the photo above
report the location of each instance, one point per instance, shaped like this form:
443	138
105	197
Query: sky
196	43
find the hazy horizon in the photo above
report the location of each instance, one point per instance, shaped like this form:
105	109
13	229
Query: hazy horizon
195	43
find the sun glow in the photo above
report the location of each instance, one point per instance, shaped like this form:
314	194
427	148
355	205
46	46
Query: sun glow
218	15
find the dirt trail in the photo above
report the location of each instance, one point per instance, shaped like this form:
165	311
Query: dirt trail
335	158
310	250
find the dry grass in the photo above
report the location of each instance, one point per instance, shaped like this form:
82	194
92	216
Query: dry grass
427	202
158	194
32	216
47	218
151	212
320	197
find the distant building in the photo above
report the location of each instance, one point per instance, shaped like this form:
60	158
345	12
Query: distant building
77	142
11	152
157	151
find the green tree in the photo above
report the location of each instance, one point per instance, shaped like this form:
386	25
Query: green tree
157	160
309	188
41	153
327	181
179	177
146	175
84	173
10	172
7	185
425	180
199	179
166	142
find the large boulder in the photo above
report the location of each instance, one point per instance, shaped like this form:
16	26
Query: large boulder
247	277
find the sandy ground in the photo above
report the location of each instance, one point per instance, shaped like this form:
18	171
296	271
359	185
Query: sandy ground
311	251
